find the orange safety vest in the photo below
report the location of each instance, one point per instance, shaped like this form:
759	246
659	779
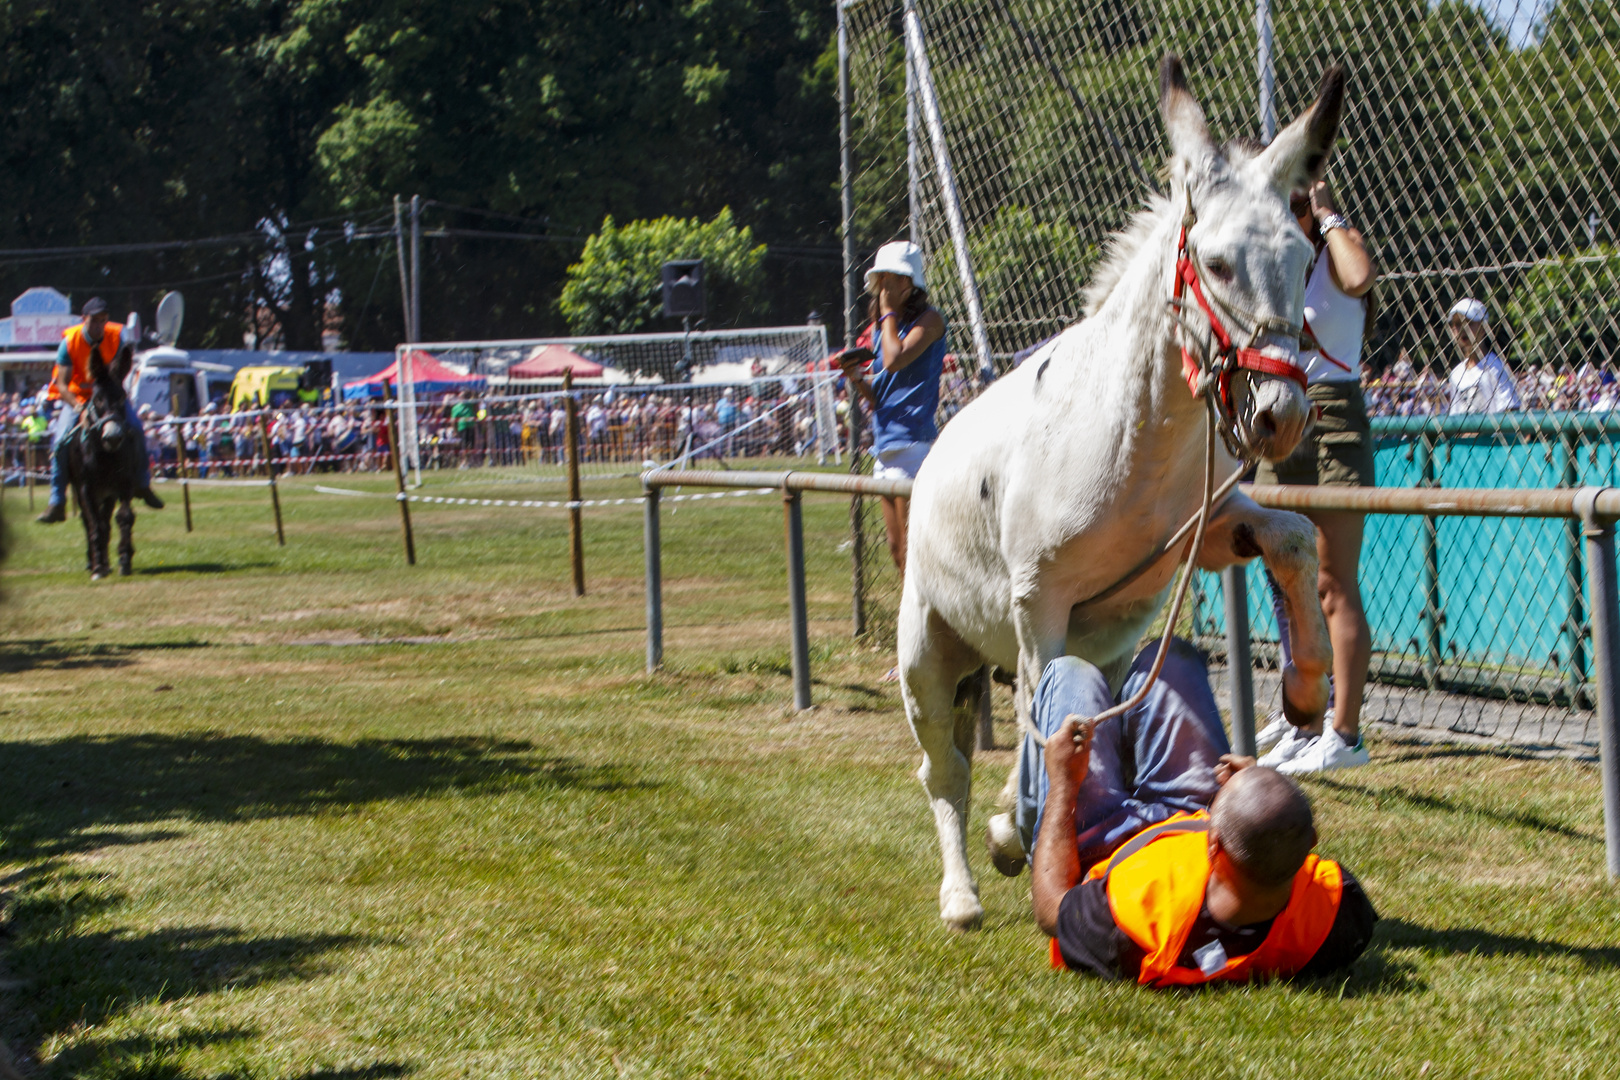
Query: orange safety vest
1156	883
79	352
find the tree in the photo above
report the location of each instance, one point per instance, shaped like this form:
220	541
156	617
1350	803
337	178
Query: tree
1568	311
615	288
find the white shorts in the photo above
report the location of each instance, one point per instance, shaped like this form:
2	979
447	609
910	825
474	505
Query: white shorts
901	462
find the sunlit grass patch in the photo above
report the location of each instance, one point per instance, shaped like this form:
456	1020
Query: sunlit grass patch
304	812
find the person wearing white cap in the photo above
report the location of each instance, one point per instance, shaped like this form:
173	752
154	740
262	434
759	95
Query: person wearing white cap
908	357
1481	382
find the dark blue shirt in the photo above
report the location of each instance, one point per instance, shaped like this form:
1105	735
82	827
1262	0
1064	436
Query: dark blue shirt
906	399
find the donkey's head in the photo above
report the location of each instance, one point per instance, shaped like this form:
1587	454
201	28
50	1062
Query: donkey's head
1247	247
104	413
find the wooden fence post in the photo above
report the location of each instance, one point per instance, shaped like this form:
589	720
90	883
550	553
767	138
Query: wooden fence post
399	487
270	471
180	458
576	536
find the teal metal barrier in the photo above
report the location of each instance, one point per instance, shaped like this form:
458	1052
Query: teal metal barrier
1485	606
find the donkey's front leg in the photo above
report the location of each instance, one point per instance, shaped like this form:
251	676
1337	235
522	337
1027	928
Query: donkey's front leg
126	541
1286	542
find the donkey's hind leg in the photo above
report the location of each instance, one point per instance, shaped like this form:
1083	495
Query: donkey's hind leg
933	660
126	538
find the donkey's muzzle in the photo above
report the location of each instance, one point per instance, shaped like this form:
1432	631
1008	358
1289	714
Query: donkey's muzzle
112	433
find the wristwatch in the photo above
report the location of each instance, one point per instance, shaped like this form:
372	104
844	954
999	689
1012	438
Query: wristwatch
1330	222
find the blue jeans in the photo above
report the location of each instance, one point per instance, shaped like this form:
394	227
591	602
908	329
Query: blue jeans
1146	765
63	424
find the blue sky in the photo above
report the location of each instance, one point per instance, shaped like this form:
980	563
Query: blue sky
1517	17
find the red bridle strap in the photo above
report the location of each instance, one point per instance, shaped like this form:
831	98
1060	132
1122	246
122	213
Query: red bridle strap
1247	358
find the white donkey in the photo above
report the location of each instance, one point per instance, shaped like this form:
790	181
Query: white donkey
1065	476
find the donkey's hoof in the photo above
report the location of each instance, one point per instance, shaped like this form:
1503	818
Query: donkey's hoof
124	570
1006	846
961	910
98	576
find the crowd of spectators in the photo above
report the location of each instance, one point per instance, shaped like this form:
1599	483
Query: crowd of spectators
1402	390
765	418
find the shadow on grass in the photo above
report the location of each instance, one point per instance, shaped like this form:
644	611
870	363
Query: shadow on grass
1423	801
80	973
61	796
1379	971
42	654
201	568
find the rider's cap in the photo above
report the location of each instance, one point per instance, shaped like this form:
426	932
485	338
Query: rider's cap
1469	308
899	257
94	306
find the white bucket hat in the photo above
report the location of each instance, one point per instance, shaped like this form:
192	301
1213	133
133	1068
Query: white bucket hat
899	257
1469	308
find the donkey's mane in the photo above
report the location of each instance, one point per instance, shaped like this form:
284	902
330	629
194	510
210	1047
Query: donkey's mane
1123	247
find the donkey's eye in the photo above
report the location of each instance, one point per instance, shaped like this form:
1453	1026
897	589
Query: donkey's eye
1219	268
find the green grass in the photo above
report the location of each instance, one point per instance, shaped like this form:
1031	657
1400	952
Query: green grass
304	812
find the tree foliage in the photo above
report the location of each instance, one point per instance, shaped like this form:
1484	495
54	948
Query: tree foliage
291	124
616	287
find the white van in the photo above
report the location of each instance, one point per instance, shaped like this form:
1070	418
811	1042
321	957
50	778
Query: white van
166	377
169	380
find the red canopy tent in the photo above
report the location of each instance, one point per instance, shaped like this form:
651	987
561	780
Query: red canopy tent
430	377
552	362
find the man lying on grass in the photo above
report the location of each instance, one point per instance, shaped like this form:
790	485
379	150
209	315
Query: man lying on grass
1162	857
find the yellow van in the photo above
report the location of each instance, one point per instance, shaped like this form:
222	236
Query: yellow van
258	387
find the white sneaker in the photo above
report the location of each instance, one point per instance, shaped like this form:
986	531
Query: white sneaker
1327	752
1293	743
1270	735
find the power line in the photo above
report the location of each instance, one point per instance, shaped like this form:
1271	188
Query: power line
23	256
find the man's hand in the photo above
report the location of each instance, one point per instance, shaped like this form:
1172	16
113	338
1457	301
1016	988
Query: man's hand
1057	858
1230	765
1068	753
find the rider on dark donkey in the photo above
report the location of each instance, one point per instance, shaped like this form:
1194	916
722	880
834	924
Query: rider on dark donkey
71	386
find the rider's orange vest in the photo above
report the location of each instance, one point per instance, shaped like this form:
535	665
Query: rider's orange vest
79	352
1156	891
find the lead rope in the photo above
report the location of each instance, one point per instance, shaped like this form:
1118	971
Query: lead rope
1187	566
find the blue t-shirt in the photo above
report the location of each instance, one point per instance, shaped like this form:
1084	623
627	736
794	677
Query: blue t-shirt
906	399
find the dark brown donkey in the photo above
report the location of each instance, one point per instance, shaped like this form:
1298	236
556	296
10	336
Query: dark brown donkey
102	465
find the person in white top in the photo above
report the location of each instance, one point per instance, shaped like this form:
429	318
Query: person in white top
1337	451
1481	382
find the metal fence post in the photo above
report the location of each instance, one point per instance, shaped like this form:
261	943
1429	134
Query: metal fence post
655	582
1574	608
1600	573
1239	666
1432	616
792	506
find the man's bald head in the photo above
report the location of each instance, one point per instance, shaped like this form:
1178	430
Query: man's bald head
1264	823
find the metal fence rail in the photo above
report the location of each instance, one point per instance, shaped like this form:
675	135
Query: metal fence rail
1594	510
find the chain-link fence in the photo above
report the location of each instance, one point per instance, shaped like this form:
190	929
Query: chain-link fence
1477	156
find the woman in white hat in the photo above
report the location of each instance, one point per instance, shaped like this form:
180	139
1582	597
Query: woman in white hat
902	384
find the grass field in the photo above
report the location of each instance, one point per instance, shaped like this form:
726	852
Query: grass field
303	812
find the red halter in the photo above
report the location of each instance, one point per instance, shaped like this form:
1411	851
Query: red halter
1228	358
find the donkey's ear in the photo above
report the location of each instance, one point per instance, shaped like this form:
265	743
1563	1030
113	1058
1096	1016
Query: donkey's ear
1192	150
1300	151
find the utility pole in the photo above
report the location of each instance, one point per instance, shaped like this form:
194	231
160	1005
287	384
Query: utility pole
404	274
416	268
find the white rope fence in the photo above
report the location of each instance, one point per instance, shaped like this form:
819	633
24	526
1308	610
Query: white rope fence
538	504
